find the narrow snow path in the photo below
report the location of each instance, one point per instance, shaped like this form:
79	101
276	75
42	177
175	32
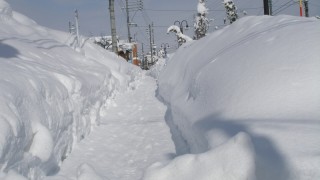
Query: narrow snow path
132	136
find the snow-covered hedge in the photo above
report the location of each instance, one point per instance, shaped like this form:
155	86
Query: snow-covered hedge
244	102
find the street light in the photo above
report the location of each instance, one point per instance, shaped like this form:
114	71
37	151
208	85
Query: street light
165	46
181	25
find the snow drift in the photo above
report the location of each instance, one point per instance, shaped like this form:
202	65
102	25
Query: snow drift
50	95
258	79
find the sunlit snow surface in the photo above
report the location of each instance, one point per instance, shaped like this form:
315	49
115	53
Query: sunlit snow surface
50	94
132	136
255	85
243	103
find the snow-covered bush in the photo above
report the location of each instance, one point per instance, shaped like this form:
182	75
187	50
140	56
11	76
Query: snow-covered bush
181	37
231	10
201	24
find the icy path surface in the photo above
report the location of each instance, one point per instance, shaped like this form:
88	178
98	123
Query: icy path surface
132	136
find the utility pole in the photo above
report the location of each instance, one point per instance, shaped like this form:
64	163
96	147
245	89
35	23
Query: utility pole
70	27
113	26
142	50
128	21
270	7
151	45
152	33
143	59
266	7
306	8
301	14
77	27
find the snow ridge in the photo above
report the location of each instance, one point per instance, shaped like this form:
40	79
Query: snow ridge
51	96
256	77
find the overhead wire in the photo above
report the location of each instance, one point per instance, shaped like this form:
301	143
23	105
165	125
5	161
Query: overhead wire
284	6
318	5
121	5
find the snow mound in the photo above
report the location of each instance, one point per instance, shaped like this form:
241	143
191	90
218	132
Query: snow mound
87	172
42	143
51	96
222	162
156	69
5	10
12	175
259	76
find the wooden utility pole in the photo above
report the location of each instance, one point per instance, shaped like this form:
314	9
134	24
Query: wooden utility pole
270	7
77	27
266	7
113	26
152	33
306	8
151	45
301	14
128	21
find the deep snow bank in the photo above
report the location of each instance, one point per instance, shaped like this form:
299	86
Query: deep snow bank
50	95
259	76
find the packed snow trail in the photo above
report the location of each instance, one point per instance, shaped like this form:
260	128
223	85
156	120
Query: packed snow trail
132	136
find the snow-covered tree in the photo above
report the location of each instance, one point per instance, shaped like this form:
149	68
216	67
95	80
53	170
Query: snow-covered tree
201	24
231	9
181	37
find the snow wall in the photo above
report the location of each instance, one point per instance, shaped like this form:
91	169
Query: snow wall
244	103
51	96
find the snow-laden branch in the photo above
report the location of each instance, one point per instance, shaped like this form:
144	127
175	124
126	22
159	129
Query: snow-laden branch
181	37
202	9
201	24
231	9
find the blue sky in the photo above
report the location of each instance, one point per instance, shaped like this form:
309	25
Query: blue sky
94	14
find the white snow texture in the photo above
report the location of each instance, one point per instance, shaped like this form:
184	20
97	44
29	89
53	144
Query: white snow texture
50	95
243	102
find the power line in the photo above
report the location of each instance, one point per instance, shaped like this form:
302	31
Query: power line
189	10
168	10
155	26
124	15
284	6
314	4
275	2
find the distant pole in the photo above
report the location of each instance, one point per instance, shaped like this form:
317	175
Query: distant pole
270	7
113	26
151	46
152	30
306	8
77	27
142	49
70	31
142	52
266	7
128	21
301	8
